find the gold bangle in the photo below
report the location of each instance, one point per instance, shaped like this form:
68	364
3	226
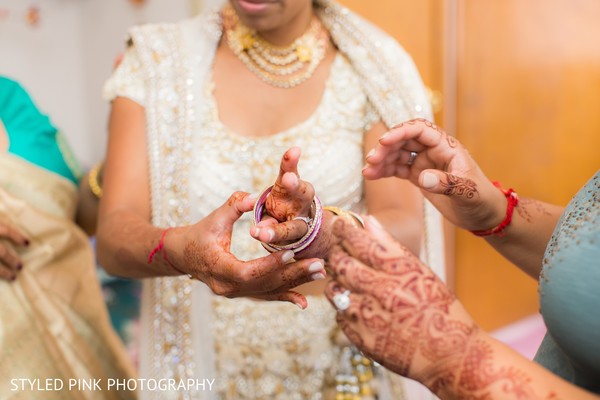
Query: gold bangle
95	187
350	216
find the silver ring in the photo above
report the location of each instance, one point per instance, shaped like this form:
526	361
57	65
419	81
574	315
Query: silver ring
308	220
411	158
341	301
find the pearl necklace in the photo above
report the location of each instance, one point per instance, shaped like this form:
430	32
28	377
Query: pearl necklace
279	66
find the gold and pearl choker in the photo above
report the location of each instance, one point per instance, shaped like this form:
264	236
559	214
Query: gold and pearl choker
279	66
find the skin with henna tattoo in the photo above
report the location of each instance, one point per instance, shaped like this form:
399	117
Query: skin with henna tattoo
457	186
444	349
403	316
202	267
427	123
322	244
528	207
452	141
202	250
289	198
283	205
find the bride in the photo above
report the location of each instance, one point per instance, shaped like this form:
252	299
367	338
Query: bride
206	107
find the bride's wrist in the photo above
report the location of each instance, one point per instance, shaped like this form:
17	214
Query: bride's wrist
324	241
327	238
166	252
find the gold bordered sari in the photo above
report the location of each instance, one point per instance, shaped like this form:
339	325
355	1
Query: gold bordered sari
53	320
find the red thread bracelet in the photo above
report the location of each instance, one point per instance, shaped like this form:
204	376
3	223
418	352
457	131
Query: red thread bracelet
513	201
160	249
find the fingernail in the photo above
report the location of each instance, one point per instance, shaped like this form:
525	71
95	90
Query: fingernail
430	180
255	232
253	196
271	234
315	267
370	153
287	256
317	277
384	135
375	222
299	306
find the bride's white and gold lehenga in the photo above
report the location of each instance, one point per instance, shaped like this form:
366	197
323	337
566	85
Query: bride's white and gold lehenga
255	350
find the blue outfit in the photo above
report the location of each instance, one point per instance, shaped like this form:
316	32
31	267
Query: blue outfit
570	292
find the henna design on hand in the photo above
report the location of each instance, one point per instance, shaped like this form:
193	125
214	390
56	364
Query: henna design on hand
405	293
475	376
288	275
427	123
288	235
353	335
457	186
452	141
276	204
235	197
404	316
201	258
281	206
192	256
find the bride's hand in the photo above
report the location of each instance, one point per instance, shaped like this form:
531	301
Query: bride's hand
203	251
289	201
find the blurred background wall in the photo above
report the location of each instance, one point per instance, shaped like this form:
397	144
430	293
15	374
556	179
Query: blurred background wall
517	81
64	56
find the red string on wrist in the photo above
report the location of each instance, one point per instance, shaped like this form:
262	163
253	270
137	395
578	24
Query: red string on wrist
160	248
513	201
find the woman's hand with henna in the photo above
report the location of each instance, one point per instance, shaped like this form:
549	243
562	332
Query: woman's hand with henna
401	314
397	311
202	250
443	169
10	263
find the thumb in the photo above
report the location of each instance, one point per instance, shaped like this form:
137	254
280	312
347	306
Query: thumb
237	204
439	182
429	180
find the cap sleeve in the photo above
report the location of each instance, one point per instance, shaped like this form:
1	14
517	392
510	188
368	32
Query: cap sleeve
127	79
371	116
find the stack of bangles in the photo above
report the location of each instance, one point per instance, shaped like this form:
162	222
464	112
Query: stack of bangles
314	222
